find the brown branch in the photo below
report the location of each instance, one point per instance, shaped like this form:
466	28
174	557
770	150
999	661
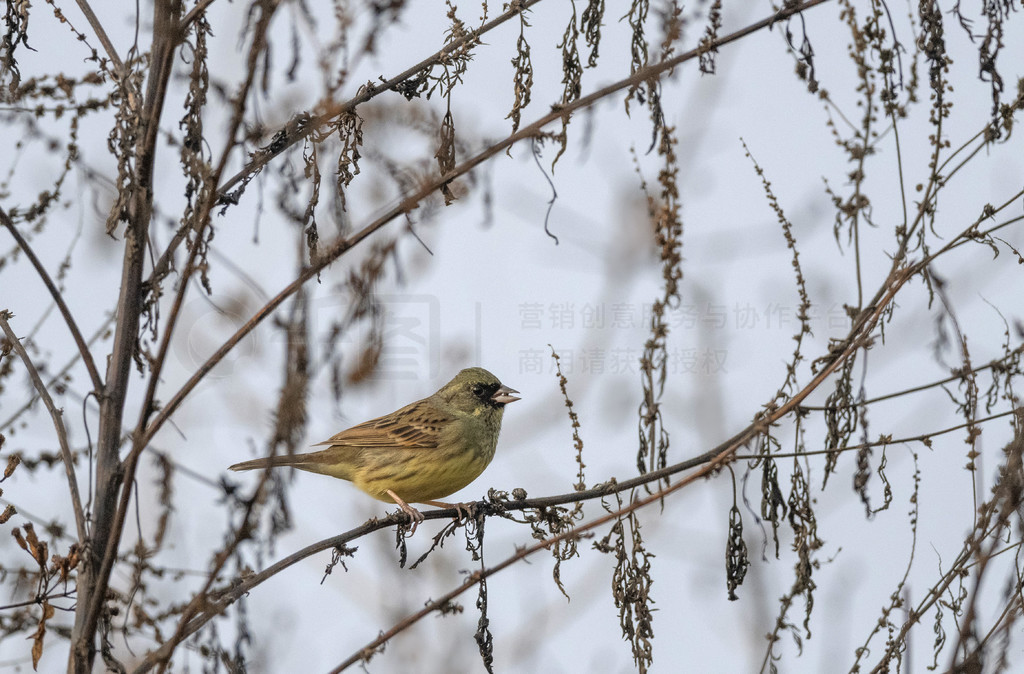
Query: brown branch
305	124
218	602
83	347
364	654
886	442
38	600
102	551
295	130
194	13
917	389
58	423
97	28
58	376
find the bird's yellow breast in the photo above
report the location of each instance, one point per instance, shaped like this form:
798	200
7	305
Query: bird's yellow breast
421	475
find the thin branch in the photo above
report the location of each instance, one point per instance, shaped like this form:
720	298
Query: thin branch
97	28
295	131
58	376
58	423
194	13
203	220
917	389
304	124
364	654
33	602
885	442
83	347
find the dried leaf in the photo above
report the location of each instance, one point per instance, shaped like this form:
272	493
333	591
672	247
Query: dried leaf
37	638
12	462
36	547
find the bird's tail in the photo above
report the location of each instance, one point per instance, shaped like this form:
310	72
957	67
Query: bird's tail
270	461
330	461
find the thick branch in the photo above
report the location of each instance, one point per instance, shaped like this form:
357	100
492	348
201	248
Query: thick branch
98	558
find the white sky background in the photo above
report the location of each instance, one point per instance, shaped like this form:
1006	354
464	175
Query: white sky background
476	295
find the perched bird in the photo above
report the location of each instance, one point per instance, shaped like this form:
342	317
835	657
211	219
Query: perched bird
422	452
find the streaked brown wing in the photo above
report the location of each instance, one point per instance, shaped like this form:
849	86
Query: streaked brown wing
417	425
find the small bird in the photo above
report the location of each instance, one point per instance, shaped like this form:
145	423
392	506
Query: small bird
419	453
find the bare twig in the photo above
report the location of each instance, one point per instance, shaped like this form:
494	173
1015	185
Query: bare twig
292	133
58	376
58	423
923	387
97	28
83	347
886	442
195	13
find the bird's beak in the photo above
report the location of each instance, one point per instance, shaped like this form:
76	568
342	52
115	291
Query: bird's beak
502	395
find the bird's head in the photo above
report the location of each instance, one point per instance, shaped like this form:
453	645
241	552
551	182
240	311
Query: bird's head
475	390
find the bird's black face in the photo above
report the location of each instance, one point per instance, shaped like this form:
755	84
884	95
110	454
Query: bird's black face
494	394
483	391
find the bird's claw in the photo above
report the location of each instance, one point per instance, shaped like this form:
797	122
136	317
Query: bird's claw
466	508
415	516
462	510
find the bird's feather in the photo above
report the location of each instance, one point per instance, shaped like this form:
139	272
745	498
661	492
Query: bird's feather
414	426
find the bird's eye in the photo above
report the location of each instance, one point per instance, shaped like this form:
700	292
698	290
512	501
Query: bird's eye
478	390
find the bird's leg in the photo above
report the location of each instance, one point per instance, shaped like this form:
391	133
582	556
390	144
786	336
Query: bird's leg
414	515
460	508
